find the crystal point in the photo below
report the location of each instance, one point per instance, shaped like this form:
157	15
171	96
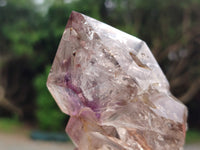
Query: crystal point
114	90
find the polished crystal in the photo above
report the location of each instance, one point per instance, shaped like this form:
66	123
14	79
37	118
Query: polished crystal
114	90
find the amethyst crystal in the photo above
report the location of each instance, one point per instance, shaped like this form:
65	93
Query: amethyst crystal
114	90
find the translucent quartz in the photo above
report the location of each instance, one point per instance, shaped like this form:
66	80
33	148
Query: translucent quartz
114	90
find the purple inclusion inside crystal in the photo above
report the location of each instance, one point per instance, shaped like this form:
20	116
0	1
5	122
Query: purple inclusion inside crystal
110	93
69	84
93	105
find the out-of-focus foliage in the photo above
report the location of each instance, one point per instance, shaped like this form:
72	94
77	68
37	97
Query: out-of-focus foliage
193	136
18	27
10	125
30	31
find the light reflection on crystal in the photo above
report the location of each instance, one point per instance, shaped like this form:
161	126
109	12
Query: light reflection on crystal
114	90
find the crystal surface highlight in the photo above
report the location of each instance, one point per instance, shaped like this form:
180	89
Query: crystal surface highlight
114	90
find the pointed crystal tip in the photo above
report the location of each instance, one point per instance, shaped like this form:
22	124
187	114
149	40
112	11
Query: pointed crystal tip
114	90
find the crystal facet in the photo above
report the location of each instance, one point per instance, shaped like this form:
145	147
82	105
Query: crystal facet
114	90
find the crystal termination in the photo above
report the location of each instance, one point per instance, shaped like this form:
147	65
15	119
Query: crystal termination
114	90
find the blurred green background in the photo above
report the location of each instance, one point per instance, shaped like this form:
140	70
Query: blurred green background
30	31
